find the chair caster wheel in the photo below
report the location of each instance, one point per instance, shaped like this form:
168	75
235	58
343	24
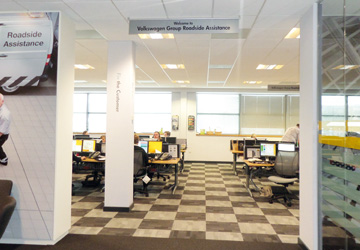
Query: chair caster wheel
168	177
164	179
288	204
271	202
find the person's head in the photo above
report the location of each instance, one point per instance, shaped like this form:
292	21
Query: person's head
156	135
136	139
85	132
1	99
253	136
298	125
103	138
167	133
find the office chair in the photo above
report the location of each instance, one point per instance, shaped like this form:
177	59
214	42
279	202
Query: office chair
7	204
140	171
286	166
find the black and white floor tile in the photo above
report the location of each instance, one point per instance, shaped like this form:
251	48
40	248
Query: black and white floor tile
209	203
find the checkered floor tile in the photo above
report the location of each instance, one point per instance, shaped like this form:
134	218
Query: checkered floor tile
209	203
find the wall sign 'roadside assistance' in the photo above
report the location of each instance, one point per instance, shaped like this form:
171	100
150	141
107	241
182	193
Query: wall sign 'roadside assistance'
26	46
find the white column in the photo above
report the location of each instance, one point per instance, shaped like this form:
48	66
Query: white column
119	126
309	116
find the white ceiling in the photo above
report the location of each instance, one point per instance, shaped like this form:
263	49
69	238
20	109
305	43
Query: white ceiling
268	22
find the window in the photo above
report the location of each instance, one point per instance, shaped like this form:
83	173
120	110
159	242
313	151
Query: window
152	112
333	115
89	112
218	112
263	114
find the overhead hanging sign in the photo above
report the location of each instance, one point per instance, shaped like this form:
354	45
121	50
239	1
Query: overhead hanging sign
283	87
185	26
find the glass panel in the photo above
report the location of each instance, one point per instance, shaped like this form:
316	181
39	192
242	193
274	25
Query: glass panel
79	122
227	124
97	123
80	103
292	111
97	103
218	103
340	168
152	122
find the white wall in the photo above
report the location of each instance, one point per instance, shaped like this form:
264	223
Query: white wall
309	117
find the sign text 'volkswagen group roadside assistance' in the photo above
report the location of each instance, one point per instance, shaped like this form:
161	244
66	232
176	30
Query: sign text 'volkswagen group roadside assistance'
26	44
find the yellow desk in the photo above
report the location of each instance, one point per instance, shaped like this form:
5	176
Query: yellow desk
249	166
174	162
235	155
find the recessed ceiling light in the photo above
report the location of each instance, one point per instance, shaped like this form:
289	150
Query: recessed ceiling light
294	33
269	67
347	67
145	81
83	66
172	66
214	66
216	82
80	81
156	36
252	82
181	81
104	81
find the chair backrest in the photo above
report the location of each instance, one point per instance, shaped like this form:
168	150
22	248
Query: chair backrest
138	161
287	163
5	187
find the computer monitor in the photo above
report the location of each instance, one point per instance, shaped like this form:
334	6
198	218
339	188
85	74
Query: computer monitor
77	145
249	142
286	146
154	147
143	145
142	137
170	139
258	141
268	150
88	146
252	152
86	137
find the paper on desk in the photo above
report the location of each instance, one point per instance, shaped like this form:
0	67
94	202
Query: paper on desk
101	158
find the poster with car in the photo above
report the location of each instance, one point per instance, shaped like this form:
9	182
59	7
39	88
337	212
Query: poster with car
28	51
28	80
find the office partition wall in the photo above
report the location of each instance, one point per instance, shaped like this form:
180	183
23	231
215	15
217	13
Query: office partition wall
340	138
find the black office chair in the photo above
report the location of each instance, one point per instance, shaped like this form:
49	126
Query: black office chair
7	204
140	171
287	167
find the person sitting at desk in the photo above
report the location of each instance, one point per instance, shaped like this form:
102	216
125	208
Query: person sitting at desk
137	148
167	134
85	132
157	136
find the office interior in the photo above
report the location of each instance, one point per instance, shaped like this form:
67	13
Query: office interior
184	96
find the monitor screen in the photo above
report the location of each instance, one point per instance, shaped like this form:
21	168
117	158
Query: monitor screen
143	145
154	147
252	152
88	145
268	149
142	137
81	136
170	139
249	142
282	146
77	145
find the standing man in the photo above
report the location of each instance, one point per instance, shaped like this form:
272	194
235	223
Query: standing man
4	129
292	134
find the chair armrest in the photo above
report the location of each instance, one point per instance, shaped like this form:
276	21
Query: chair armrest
7	207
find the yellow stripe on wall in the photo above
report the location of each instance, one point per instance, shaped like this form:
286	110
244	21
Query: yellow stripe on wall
345	142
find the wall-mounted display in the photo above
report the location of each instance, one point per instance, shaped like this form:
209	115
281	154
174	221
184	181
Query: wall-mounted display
175	122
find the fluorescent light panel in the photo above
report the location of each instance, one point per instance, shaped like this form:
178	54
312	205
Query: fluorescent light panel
83	66
145	81
269	67
181	81
252	82
156	36
346	67
172	66
294	33
80	81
